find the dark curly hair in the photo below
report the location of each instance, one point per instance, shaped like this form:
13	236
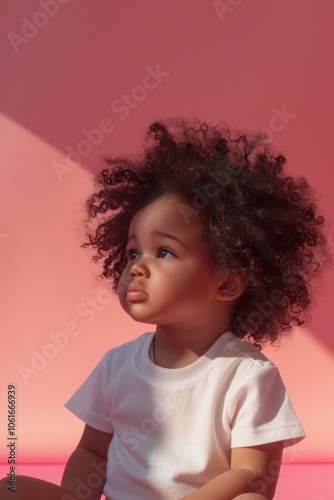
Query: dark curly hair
254	217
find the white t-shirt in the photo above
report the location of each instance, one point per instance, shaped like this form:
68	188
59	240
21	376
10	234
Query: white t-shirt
174	428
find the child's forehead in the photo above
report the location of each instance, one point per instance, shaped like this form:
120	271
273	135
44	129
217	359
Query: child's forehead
164	213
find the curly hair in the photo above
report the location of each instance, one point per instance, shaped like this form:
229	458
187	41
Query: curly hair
254	217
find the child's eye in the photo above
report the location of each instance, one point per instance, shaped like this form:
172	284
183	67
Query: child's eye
163	253
132	254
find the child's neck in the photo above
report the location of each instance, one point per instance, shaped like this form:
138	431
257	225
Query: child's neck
177	349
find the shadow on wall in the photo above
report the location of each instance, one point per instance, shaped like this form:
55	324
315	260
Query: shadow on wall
77	75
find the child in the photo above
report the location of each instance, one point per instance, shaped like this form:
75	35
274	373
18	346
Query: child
205	236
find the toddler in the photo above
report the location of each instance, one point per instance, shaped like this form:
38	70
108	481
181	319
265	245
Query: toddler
205	236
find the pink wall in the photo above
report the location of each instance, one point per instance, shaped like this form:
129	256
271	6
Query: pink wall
248	63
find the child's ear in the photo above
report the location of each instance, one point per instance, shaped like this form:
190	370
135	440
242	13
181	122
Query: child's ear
231	288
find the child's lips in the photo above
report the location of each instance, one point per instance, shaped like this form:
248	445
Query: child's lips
135	292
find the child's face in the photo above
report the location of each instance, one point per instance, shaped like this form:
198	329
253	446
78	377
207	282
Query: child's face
173	270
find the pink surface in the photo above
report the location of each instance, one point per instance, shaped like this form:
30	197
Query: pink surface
87	78
296	482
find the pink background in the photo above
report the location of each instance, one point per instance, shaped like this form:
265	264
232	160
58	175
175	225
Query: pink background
247	63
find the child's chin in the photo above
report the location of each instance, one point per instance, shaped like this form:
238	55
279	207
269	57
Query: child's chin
140	318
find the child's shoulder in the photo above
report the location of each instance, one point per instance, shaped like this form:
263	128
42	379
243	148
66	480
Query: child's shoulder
245	352
244	366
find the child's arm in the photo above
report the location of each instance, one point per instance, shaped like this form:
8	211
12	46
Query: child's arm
253	470
85	470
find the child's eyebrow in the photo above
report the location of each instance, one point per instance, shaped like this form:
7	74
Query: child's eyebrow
168	236
133	236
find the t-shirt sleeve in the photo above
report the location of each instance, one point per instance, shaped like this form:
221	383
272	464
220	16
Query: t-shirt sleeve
90	402
261	411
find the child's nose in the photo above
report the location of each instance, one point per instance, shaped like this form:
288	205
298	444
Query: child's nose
138	268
